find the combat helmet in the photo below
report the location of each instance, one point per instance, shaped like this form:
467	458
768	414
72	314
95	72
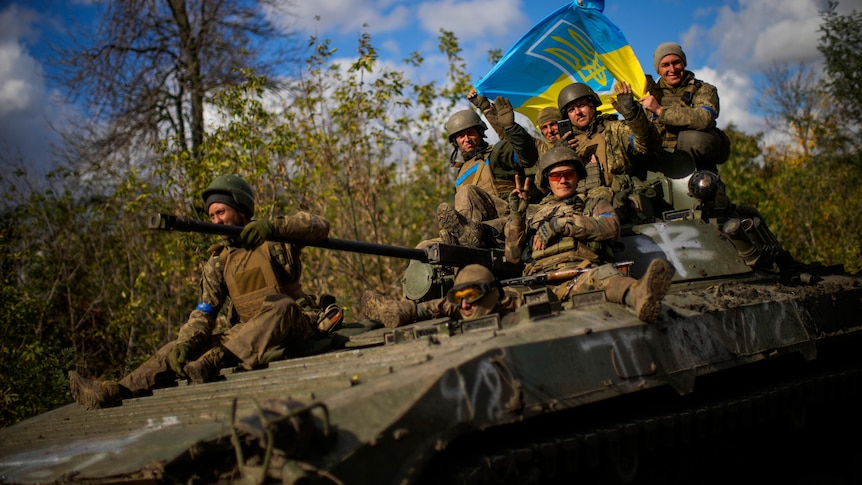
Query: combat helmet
574	92
462	120
556	156
476	284
234	191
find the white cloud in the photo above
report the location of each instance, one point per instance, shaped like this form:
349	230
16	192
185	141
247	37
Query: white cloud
735	91
473	19
759	33
20	82
24	106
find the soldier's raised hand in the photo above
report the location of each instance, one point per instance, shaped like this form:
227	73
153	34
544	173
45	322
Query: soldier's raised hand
624	100
478	101
505	112
519	197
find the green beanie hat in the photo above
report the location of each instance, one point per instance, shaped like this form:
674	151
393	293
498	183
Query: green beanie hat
665	49
551	113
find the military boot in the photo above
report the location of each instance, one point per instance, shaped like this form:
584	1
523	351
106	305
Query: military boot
463	230
208	366
646	294
391	313
94	394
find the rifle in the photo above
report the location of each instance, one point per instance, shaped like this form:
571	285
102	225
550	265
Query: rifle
438	257
561	275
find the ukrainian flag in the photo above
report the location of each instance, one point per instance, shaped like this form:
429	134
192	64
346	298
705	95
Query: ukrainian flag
575	43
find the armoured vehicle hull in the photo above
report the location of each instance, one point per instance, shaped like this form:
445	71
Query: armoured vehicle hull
739	356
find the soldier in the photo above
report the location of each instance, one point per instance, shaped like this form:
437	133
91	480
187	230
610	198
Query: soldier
570	229
262	279
546	122
486	175
475	293
606	146
684	110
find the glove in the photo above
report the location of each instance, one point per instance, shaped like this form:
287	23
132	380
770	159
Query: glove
505	113
480	102
177	358
517	205
625	105
255	233
549	231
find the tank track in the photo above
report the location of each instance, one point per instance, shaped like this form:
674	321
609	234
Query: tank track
801	430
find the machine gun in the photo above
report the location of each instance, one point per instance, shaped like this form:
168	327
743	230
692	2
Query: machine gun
429	275
561	275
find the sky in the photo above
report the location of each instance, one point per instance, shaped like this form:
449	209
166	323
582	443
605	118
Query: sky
728	43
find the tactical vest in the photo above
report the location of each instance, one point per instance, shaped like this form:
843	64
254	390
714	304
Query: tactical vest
251	276
600	173
683	97
477	171
568	250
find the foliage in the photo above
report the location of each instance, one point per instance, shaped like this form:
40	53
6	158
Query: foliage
840	43
808	184
85	286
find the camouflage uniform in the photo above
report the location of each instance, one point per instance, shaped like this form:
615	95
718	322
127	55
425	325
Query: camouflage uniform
616	145
542	145
687	120
592	225
267	298
493	170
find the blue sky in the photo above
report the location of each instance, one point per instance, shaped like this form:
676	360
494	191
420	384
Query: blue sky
727	42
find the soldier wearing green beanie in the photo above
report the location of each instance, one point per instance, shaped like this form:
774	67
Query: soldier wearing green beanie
684	110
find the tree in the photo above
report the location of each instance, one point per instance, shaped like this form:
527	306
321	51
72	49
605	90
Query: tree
841	45
151	65
811	181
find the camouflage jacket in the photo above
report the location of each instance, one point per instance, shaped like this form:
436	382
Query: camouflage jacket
286	263
494	169
588	226
693	105
614	145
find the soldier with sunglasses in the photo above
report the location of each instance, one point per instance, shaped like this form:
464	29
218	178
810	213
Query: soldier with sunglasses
570	229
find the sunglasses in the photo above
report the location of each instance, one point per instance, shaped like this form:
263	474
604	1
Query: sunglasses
561	175
472	292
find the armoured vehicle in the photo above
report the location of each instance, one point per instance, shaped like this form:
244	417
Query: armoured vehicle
752	373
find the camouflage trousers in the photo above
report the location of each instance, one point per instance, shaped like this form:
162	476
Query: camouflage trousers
280	323
704	147
478	206
596	278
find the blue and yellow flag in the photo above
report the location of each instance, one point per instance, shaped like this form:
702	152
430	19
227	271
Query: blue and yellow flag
575	43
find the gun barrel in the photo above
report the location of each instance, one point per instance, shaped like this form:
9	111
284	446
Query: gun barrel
168	222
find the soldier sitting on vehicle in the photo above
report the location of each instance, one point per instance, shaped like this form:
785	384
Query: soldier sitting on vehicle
486	174
546	123
272	313
570	229
610	149
475	293
684	110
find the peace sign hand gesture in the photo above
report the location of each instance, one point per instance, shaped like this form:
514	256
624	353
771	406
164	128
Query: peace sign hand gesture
518	198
